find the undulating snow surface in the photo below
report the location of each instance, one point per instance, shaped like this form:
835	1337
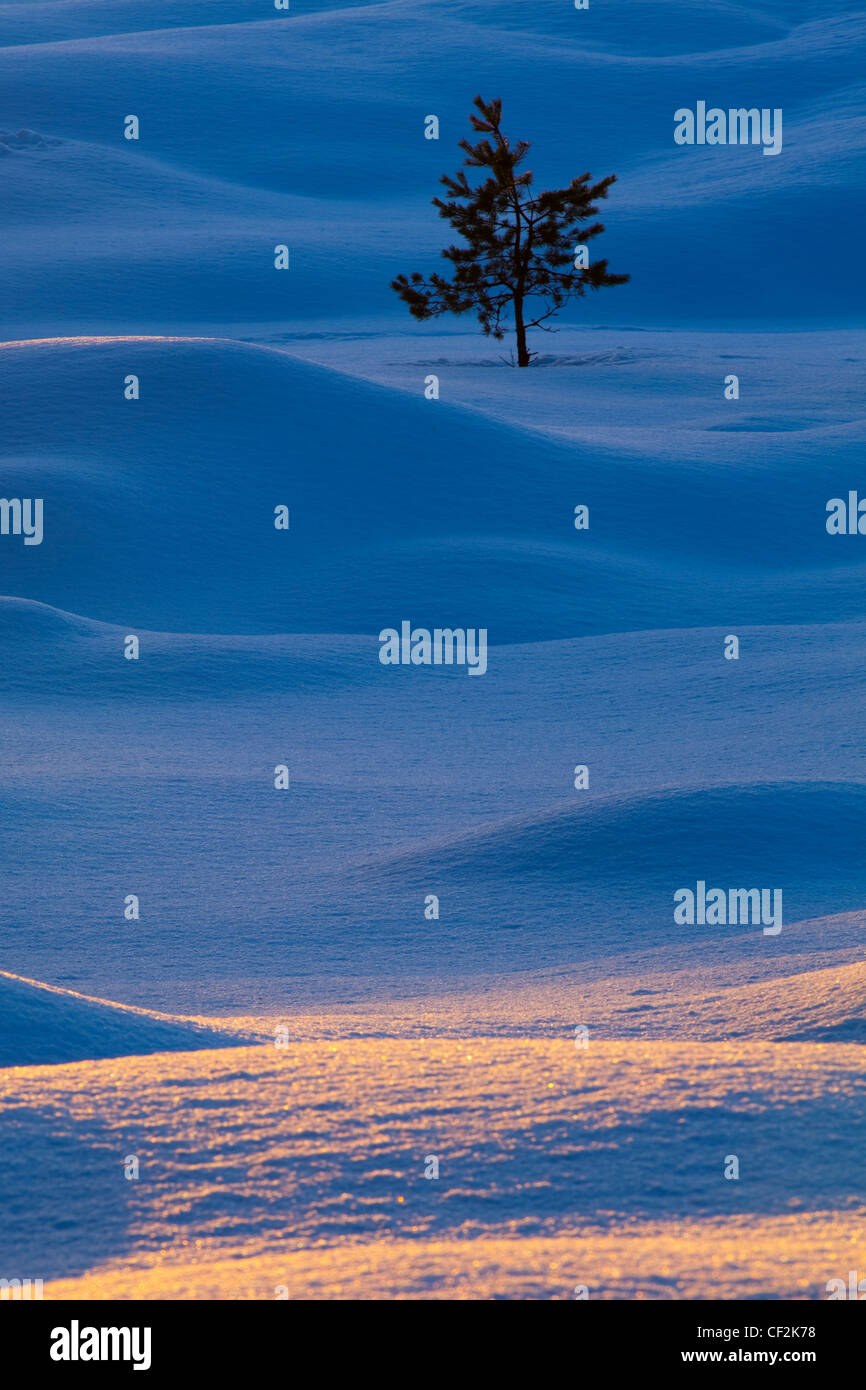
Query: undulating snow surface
41	1024
296	918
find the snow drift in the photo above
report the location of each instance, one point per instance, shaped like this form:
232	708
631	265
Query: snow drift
40	1024
159	511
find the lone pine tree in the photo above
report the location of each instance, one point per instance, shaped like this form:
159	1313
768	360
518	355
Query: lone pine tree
524	252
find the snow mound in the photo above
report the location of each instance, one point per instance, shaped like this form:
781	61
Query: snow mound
736	829
25	140
261	1153
266	141
54	653
41	1024
34	21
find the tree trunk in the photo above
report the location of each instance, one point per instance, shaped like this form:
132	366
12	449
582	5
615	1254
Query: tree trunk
523	358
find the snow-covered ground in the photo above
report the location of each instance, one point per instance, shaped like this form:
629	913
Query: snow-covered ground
301	917
305	1167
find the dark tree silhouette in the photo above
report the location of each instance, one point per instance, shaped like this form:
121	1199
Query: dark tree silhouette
522	250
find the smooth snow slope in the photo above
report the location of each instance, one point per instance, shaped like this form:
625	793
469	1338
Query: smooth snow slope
40	1024
159	512
252	136
306	909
